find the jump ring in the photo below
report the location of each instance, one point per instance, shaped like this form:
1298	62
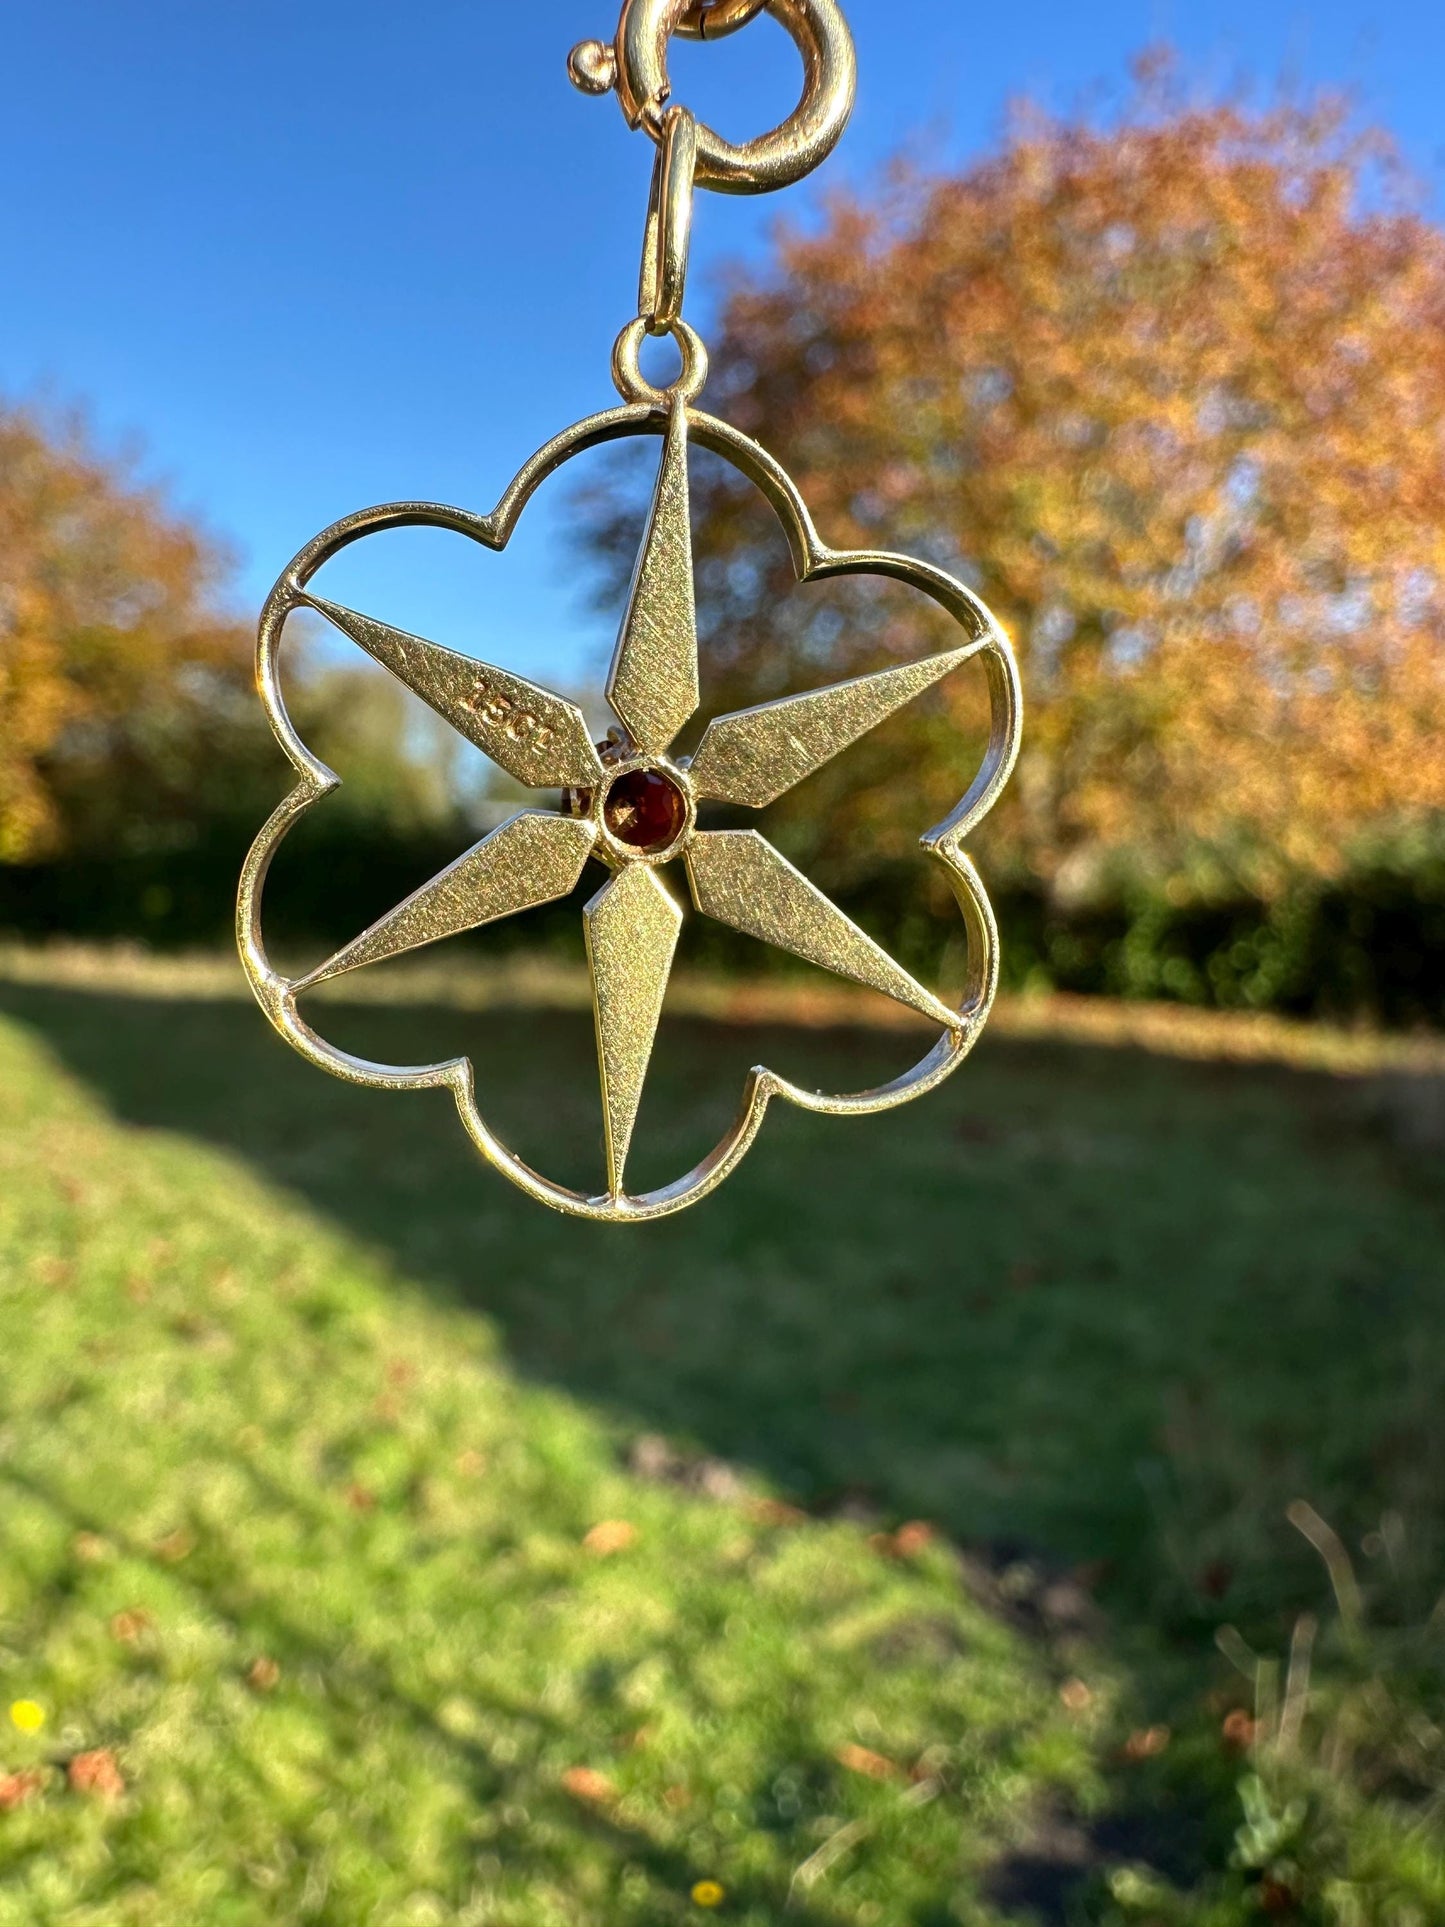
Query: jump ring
633	385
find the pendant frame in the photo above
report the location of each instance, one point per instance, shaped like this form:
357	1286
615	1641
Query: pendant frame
813	560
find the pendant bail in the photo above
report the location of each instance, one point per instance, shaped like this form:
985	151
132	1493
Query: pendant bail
669	223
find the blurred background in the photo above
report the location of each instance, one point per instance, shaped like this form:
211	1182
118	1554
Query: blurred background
1142	340
1023	1508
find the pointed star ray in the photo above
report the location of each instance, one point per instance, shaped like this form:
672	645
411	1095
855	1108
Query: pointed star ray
539	738
632	927
753	755
652	684
740	879
530	859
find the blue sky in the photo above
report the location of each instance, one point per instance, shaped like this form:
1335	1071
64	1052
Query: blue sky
324	253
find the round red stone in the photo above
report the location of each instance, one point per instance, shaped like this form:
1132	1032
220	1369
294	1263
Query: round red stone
645	809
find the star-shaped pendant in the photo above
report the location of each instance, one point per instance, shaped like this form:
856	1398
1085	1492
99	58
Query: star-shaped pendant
636	807
633	804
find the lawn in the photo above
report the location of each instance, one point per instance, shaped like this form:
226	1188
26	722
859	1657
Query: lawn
900	1537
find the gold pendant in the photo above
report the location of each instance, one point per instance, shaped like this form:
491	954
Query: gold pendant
631	803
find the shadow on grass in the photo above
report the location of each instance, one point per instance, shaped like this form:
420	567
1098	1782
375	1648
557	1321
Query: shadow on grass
1083	1305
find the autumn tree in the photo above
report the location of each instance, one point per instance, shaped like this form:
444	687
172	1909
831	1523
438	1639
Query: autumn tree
120	675
1170	393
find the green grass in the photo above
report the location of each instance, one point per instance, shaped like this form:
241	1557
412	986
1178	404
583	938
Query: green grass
307	1417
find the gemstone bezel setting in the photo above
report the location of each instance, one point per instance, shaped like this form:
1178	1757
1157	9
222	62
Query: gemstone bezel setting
615	849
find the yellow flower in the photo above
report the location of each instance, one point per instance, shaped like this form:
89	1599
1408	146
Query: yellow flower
28	1715
707	1893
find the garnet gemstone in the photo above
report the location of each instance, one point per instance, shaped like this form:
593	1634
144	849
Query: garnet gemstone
645	809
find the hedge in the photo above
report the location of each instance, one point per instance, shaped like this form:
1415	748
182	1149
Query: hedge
1366	946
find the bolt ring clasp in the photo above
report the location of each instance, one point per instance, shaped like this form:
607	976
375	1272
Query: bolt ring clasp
790	150
714	19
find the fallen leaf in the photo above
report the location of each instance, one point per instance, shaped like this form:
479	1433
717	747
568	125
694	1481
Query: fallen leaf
862	1759
359	1497
96	1772
583	1783
127	1626
17	1788
1145	1742
911	1539
609	1536
263	1673
1076	1695
1239	1729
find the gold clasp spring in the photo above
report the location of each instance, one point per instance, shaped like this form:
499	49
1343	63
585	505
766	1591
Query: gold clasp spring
636	66
712	19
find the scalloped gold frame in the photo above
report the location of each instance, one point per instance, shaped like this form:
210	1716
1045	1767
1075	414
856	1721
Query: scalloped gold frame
812	561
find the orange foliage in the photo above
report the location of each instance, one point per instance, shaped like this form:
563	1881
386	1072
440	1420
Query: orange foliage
1171	395
112	655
